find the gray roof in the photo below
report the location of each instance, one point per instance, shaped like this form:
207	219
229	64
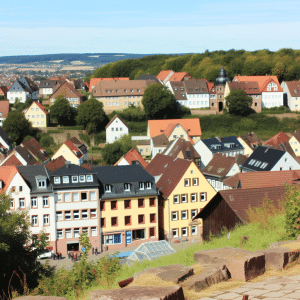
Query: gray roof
210	143
4	136
31	173
47	83
26	155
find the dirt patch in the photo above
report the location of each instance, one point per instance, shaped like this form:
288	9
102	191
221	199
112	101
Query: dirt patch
285	115
78	68
203	112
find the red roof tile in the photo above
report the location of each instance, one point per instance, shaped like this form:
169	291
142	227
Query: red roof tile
94	81
7	173
55	164
162	75
179	76
133	156
12	161
294	88
73	148
277	139
40	106
4	108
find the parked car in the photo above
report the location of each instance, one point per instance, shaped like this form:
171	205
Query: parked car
46	254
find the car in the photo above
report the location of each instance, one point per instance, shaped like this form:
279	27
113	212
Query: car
46	254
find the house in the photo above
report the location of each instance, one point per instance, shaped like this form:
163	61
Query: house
73	150
132	157
188	129
5	142
37	114
229	146
68	92
277	139
229	208
269	159
168	75
295	142
47	87
183	149
95	81
291	94
129	206
115	129
19	156
4	110
3	91
261	179
40	201
143	144
35	148
159	144
271	91
148	77
120	94
22	89
222	167
218	102
250	88
77	207
249	141
184	192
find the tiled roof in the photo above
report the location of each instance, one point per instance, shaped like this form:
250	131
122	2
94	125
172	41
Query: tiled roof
141	142
297	135
35	148
251	139
262	81
4	108
47	83
132	156
162	75
179	76
294	88
73	148
148	77
55	164
248	87
12	161
170	170
179	91
7	173
192	126
261	179
160	141
277	139
239	200
40	106
115	116
26	155
67	90
222	144
95	81
196	86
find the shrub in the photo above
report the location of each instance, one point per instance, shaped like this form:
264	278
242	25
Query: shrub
46	141
85	138
49	151
100	137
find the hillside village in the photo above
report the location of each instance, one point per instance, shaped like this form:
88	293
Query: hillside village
166	187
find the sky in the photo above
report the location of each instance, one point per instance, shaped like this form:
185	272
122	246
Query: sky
147	27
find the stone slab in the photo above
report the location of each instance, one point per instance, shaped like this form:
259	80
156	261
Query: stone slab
140	293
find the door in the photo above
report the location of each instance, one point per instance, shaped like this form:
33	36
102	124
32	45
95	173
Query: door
117	238
128	237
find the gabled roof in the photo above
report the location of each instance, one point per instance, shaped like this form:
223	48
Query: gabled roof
251	139
192	126
196	86
277	139
47	83
12	161
160	141
239	200
73	144
7	173
262	81
66	89
265	155
5	136
179	90
162	75
4	108
294	88
261	179
115	116
169	170
133	157
55	164
218	144
180	145
297	135
249	88
26	155
40	106
35	148
179	76
220	164
95	81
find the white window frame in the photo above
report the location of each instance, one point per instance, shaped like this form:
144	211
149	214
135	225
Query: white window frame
74	179
56	180
46	220
184	215
68	233
204	197
194	230
107	188
84	214
34	221
93	231
174	216
194	195
59	216
176	199
93	213
34	200
148	185
175	233
76	215
68	215
193	213
22	201
127	187
59	233
89	178
184	198
81	178
195	181
186	182
93	196
66	198
186	233
141	185
45	201
74	198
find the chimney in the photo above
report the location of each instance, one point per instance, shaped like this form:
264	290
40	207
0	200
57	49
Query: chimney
67	164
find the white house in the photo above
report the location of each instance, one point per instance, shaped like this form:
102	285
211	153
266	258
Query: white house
115	129
291	94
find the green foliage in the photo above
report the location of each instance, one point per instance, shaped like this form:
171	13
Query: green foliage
21	106
276	110
2	98
91	115
62	112
238	103
16	126
46	141
159	102
55	131
130	114
85	242
28	137
85	138
49	151
100	137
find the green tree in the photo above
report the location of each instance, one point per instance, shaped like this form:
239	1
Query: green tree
46	140
85	242
62	112
91	115
238	103
159	102
16	126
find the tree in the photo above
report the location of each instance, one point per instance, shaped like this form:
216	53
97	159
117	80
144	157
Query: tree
63	112
111	153
16	126
46	140
21	106
239	103
159	102
91	115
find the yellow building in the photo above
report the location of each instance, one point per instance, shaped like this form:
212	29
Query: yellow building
295	142
184	191
37	115
249	141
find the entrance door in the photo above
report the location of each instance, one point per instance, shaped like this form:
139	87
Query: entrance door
73	247
220	106
128	237
117	238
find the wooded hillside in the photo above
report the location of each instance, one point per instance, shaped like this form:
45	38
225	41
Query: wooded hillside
284	63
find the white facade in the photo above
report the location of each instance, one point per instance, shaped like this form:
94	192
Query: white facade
197	101
115	131
271	99
123	162
46	91
286	162
22	96
293	103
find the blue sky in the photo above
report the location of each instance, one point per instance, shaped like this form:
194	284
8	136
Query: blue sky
30	28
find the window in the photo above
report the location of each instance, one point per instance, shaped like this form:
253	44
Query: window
41	183
195	181
114	221
113	205
141	219
126	187
93	231
107	188
67	215
93	213
84	196
152	218
59	197
202	196
59	233
56	180
65	179
148	185
174	215
175	233
74	179
193	213
75	197
76	233
89	178
184	198
193	197
85	230
84	214
67	197
34	221
81	178
127	220
141	185
127	204
141	203
176	199
68	233
186	182
93	195
22	203
184	231
59	216
45	201
21	188
184	214
194	230
152	232
76	214
11	204
34	202
152	202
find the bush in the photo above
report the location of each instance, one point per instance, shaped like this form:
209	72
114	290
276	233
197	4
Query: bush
46	141
49	151
100	138
85	138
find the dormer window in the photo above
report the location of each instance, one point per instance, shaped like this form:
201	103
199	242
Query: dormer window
138	90
148	185
81	178
65	179
126	187
74	179
56	180
142	185
107	188
41	183
89	178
